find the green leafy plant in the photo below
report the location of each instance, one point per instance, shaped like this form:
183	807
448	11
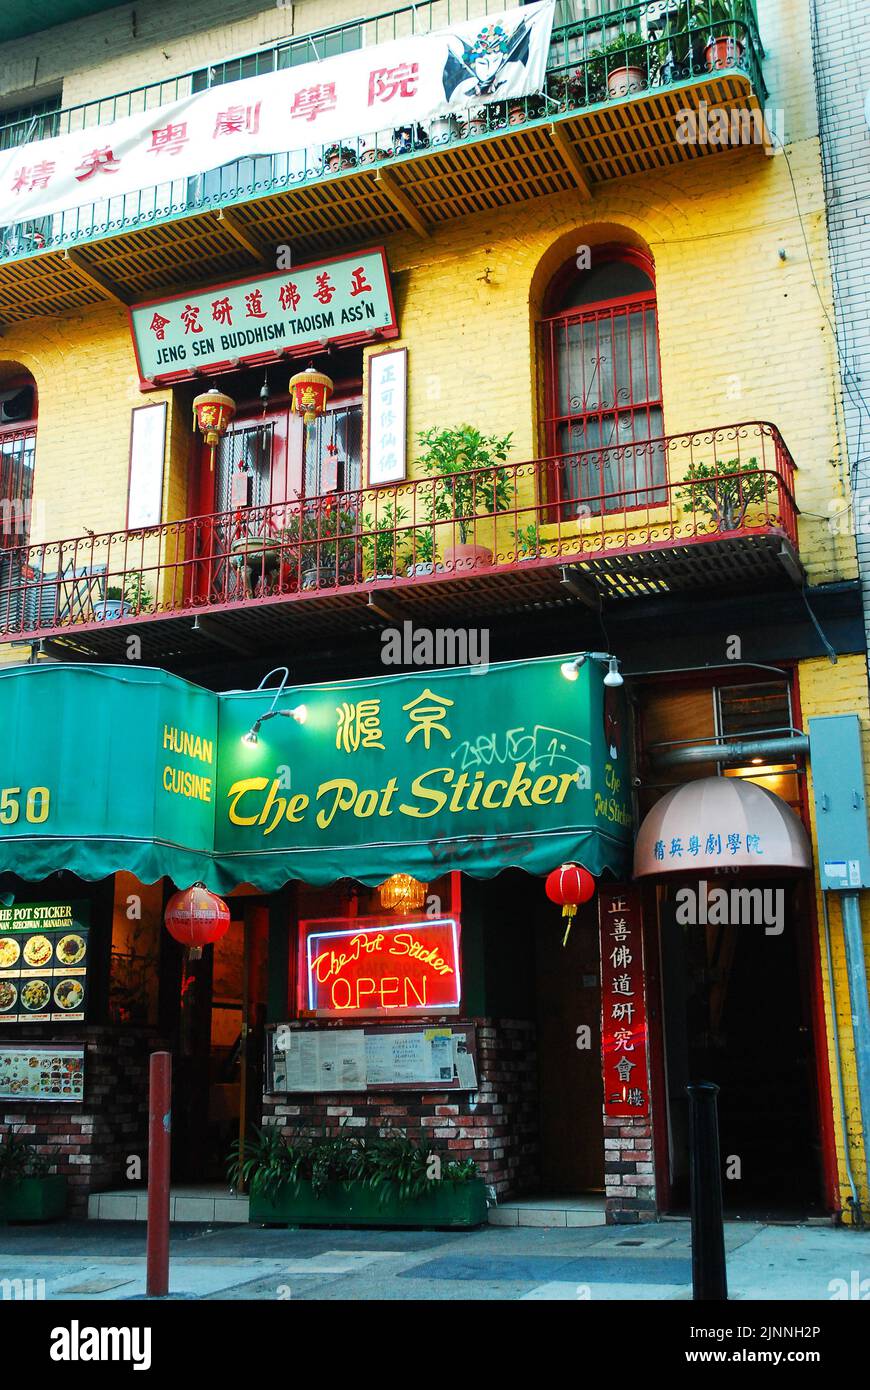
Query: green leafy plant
21	1159
725	490
137	593
382	543
390	1165
683	31
471	480
323	536
527	541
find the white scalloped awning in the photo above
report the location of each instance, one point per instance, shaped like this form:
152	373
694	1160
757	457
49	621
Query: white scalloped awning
719	822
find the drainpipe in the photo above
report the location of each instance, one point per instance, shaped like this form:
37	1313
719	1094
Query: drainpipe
841	1092
856	972
778	749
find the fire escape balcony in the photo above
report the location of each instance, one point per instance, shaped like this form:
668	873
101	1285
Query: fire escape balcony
709	511
621	95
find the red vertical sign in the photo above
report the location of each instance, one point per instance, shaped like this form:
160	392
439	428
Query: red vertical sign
624	1040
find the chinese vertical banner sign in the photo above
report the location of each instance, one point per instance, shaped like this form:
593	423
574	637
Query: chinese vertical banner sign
624	1038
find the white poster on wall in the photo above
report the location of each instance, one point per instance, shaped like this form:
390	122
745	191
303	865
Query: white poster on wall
387	416
147	450
352	95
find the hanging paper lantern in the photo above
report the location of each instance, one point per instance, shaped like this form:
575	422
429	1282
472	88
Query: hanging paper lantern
212	413
309	393
196	918
569	885
402	893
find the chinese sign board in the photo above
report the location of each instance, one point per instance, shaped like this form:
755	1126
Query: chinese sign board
296	110
387	409
37	1073
348	298
373	967
624	1038
354	1059
43	962
468	768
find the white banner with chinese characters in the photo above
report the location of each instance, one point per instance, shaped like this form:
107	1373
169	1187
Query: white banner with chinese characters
352	96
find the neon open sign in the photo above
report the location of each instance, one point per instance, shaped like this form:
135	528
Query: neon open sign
373	967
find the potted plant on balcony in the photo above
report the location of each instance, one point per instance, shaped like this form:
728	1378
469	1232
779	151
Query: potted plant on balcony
527	542
137	595
350	1180
444	129
693	36
339	157
29	1191
522	109
256	553
383	542
724	47
114	605
624	64
568	88
319	544
471	483
725	490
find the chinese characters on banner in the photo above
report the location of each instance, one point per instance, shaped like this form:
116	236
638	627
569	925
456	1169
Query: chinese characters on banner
387	398
295	111
624	1042
348	299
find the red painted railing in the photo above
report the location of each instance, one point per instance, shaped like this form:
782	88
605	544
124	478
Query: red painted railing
689	489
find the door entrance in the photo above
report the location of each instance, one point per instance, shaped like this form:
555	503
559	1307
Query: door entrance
571	1092
736	1009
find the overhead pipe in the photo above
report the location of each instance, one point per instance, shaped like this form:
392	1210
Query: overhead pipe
777	749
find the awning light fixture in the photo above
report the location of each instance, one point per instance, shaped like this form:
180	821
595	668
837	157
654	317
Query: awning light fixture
299	712
571	669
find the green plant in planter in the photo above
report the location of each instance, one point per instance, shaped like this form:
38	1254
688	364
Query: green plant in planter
268	1163
21	1159
623	51
527	541
684	29
471	481
321	537
725	490
137	593
382	543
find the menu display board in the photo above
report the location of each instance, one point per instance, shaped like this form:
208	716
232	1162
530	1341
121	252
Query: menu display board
357	1059
43	962
52	1073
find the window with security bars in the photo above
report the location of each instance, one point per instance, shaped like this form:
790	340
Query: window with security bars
244	173
21	126
603	396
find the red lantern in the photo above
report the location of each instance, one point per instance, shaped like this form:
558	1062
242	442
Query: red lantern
196	918
570	885
309	392
212	412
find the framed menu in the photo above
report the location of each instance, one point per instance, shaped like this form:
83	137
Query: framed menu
43	962
53	1072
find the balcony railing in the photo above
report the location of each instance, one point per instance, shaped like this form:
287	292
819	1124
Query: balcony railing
618	56
596	513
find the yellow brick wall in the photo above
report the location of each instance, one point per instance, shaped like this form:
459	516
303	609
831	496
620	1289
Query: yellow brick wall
840	689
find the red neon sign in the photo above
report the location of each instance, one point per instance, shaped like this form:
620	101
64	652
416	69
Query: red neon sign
372	966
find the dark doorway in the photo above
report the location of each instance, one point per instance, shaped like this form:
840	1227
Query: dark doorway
569	1058
736	1012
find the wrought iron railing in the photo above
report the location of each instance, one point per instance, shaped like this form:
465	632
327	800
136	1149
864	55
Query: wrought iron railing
680	490
607	57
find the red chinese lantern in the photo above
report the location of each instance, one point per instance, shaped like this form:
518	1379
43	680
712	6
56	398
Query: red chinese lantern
309	393
569	885
212	413
196	918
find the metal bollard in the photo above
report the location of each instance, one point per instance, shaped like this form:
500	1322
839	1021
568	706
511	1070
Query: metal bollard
159	1146
709	1280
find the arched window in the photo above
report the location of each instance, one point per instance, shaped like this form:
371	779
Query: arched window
602	383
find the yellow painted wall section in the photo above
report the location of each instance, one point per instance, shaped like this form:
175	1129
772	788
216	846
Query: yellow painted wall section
840	689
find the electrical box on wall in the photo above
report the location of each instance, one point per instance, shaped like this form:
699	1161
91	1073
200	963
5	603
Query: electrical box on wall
837	763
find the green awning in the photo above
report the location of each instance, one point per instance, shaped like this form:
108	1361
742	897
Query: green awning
479	769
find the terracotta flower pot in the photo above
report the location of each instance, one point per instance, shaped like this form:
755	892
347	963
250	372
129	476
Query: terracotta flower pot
466	556
724	52
516	114
623	81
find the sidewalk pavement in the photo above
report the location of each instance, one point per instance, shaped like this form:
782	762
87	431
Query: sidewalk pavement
105	1261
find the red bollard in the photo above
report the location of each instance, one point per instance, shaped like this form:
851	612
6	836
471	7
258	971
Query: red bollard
159	1145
